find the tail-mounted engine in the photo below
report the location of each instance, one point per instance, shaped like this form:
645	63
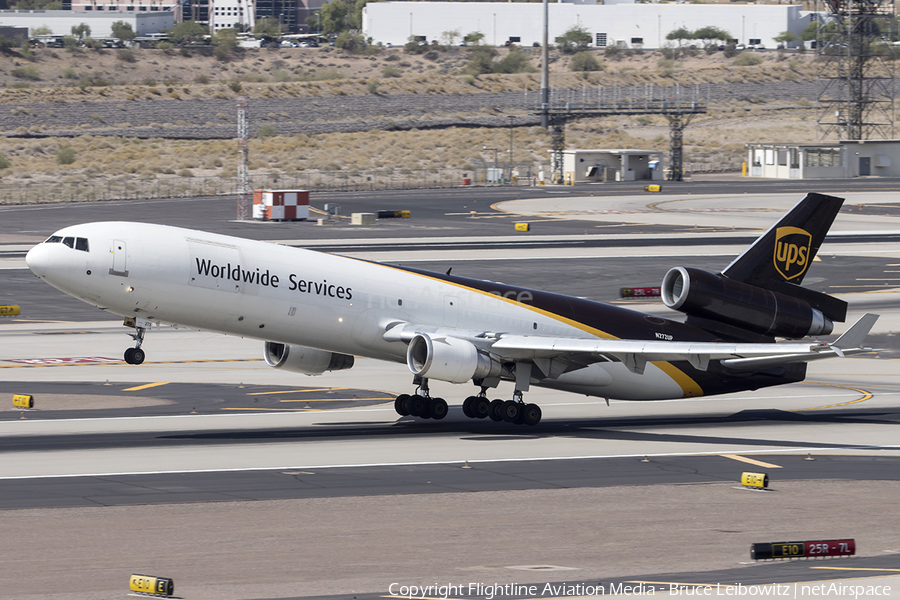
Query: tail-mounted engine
702	294
449	359
301	359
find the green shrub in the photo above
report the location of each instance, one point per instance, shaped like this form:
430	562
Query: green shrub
517	61
126	55
201	79
391	71
372	86
236	87
584	61
481	61
65	155
29	72
4	162
266	131
745	59
352	43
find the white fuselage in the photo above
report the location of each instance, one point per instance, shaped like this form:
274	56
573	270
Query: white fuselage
294	296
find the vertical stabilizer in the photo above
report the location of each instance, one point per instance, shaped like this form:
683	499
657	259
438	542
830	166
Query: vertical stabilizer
781	257
783	254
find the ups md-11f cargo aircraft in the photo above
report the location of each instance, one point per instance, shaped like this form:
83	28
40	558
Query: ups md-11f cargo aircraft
316	311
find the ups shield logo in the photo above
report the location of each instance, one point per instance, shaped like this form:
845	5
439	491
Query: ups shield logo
792	251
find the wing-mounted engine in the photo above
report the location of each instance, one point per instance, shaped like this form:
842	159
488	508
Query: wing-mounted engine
301	359
699	293
449	359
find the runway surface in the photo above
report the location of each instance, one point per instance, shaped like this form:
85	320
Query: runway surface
244	482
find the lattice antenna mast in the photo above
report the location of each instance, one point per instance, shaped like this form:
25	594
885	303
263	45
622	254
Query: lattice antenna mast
857	93
243	175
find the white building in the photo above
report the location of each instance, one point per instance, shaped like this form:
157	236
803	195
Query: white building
60	22
836	160
126	5
580	166
625	25
232	14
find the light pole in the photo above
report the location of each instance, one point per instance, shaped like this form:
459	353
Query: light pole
511	119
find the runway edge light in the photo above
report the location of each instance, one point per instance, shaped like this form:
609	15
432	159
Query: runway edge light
23	400
523	227
653	187
757	481
155	586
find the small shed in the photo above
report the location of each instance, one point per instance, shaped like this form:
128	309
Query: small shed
584	166
827	160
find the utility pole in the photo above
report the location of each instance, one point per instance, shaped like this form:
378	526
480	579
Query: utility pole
545	70
243	176
511	119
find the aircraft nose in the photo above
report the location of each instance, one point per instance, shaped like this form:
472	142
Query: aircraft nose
38	260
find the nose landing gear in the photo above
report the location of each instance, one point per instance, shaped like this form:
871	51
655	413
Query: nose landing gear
135	356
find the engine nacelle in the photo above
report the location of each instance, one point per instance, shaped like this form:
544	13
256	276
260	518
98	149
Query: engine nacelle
703	294
301	359
449	359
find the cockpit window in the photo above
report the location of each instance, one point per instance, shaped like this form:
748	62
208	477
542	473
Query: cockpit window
72	242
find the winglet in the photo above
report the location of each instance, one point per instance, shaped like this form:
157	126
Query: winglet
856	335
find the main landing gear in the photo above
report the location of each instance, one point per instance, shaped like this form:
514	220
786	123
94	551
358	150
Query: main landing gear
421	404
512	411
135	356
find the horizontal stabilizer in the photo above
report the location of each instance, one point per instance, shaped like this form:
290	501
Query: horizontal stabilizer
856	335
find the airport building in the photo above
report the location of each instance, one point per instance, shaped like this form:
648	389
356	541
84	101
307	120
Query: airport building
585	166
60	22
827	160
626	25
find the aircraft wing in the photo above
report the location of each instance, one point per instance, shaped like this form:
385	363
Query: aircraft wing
636	353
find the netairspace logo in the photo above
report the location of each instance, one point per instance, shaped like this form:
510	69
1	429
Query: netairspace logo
511	591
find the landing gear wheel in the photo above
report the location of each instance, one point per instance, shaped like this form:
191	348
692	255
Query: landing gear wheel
467	406
401	405
495	412
480	407
532	414
511	411
438	408
134	356
417	406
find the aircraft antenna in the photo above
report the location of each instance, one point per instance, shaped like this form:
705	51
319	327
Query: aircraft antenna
243	177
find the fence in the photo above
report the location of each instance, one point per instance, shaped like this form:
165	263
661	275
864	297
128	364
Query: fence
316	181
